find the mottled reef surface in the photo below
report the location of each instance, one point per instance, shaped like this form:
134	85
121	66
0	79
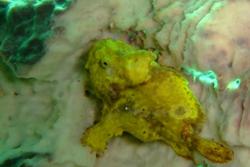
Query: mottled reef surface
43	106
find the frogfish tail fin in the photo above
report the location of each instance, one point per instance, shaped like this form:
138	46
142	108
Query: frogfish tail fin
212	150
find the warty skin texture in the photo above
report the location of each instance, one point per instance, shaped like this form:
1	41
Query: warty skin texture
149	101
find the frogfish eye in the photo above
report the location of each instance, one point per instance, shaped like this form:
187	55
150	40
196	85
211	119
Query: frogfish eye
103	64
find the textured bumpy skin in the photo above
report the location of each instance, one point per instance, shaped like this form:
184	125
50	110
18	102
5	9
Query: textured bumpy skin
147	100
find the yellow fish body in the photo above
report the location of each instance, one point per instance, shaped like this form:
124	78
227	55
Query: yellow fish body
147	100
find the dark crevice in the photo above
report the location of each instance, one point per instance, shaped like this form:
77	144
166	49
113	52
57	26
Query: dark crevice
19	161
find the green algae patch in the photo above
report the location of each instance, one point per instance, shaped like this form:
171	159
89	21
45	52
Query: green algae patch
25	25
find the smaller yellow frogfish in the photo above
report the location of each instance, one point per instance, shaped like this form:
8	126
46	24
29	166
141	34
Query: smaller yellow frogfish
147	100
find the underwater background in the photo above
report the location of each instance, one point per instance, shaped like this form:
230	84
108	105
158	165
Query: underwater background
45	108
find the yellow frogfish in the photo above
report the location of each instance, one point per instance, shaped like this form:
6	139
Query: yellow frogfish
150	101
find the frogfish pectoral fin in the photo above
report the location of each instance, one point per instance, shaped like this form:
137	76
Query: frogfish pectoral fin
213	151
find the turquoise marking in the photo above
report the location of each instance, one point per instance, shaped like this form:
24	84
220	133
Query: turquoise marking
234	84
207	77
